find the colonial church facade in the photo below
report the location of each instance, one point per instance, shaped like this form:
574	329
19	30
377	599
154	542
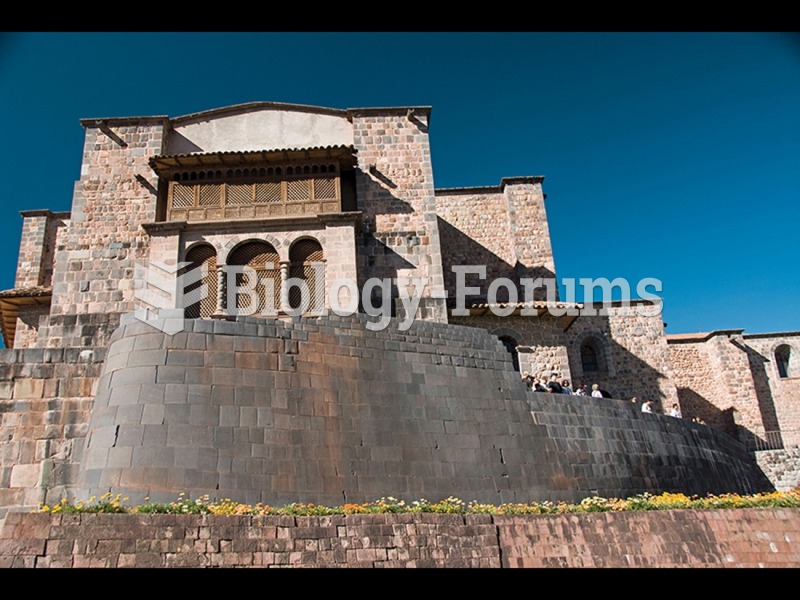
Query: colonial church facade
320	195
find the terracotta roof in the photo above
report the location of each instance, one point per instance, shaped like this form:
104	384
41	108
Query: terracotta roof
534	304
687	336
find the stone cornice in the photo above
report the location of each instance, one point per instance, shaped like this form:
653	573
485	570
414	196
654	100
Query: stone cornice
266	224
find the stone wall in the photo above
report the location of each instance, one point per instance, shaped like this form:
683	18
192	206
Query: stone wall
475	229
731	381
782	467
503	228
634	359
37	247
81	330
325	410
394	184
543	345
116	193
610	448
676	538
29	318
775	394
45	406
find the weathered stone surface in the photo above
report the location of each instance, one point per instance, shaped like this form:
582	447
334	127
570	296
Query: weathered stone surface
346	433
675	538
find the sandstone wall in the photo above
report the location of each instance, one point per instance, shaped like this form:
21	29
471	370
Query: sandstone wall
543	344
26	334
732	382
776	395
503	228
45	406
37	247
394	183
635	359
115	194
676	538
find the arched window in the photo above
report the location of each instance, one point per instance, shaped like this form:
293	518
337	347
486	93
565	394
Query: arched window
782	355
592	359
263	258
511	346
202	257
306	258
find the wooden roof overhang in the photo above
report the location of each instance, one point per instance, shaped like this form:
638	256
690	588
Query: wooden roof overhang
10	303
166	165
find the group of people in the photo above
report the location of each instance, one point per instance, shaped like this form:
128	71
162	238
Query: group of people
648	406
562	386
542	384
555	386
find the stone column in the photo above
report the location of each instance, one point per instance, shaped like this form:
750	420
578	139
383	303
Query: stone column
221	281
284	264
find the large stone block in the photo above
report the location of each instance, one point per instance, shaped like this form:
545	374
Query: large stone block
25	476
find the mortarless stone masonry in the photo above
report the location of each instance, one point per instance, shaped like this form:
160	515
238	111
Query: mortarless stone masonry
755	537
322	406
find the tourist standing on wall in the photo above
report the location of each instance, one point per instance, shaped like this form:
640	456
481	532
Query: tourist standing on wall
553	386
675	412
528	380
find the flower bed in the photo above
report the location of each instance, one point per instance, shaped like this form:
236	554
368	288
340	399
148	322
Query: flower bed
109	503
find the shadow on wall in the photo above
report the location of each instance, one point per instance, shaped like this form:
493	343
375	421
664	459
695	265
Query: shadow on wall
694	404
377	255
463	250
180	144
766	403
618	371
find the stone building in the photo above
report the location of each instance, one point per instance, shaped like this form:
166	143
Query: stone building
321	195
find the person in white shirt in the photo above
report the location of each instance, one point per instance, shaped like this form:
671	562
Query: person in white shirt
675	412
647	407
596	393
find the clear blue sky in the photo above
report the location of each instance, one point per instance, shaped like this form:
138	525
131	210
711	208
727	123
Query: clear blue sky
667	155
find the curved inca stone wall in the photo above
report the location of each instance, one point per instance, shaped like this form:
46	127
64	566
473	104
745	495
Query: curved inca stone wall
327	411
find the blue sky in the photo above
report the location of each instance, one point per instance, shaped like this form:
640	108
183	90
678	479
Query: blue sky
666	155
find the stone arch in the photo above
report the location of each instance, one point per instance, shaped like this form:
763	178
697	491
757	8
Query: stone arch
218	249
317	236
596	344
508	332
202	255
238	240
262	257
785	365
307	263
510	339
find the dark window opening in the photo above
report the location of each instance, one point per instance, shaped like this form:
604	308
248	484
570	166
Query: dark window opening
782	355
511	347
592	359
